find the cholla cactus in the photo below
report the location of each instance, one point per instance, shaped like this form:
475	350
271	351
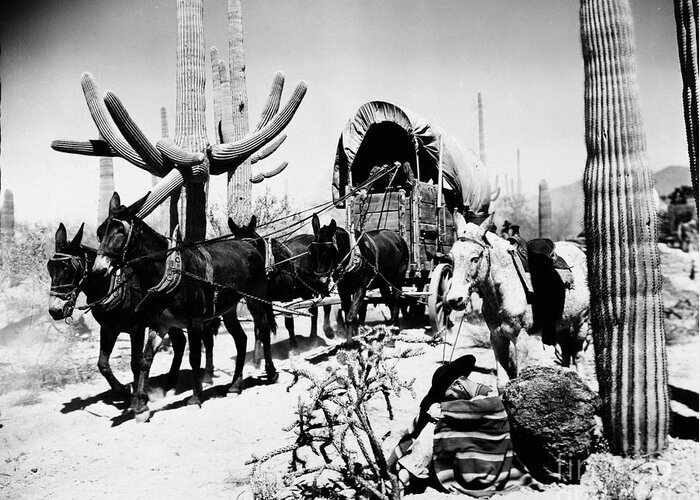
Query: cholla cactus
687	33
545	211
621	235
333	423
187	160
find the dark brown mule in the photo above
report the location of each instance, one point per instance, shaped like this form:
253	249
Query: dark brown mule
379	261
69	269
235	266
291	276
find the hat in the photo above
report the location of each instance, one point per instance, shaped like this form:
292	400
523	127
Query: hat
444	376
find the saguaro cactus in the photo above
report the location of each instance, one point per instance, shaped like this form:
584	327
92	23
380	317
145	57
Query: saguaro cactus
7	218
621	235
687	33
188	159
106	187
545	211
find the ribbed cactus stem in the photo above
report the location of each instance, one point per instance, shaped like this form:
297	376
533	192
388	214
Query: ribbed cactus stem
621	234
164	123
687	33
273	101
545	211
267	175
105	189
226	106
268	150
88	148
240	194
7	218
216	91
190	120
482	146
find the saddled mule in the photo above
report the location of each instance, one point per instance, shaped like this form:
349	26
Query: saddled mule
292	274
69	269
379	259
214	278
482	261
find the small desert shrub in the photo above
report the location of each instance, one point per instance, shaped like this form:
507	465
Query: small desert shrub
266	484
617	478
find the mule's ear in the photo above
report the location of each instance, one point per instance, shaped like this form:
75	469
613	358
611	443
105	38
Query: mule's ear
460	225
233	226
315	224
78	238
61	237
332	226
135	207
114	203
486	225
253	223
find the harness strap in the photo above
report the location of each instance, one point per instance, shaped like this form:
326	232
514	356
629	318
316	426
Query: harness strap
524	276
208	267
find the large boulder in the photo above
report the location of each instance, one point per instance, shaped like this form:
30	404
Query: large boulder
551	413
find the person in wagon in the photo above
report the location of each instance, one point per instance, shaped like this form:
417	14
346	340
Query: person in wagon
460	440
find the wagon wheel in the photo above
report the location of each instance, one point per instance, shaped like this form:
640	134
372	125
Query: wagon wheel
438	310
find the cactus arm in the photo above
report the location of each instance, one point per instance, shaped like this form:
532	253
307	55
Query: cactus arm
226	157
173	180
268	150
183	158
273	101
226	132
267	175
104	123
93	147
545	211
134	136
495	194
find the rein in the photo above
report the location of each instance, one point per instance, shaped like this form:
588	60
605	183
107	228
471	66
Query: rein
73	287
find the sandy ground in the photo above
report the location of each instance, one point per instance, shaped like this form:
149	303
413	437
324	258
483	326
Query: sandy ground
73	442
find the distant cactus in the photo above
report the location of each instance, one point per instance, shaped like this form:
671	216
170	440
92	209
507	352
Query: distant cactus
545	211
106	187
687	33
621	234
7	218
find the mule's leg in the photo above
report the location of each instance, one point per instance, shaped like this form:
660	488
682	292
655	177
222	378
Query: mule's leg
108	338
506	363
241	340
137	335
208	341
177	338
260	317
289	325
327	322
194	334
392	299
314	321
352	318
140	401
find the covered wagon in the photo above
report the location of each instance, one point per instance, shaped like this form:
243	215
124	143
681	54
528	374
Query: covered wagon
422	175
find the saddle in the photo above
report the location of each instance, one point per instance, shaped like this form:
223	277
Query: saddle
546	277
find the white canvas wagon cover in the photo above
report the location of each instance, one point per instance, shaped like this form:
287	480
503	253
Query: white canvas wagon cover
382	133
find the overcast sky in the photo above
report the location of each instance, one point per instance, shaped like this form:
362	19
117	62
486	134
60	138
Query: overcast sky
431	57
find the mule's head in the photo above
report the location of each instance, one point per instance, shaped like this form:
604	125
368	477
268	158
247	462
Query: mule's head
67	268
324	251
470	259
248	232
113	235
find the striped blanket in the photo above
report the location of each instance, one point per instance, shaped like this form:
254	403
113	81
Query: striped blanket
468	450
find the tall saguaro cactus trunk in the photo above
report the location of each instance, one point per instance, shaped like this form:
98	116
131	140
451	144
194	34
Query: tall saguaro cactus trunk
190	121
545	211
687	32
106	187
240	196
621	237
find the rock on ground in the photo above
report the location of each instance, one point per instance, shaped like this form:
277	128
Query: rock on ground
551	412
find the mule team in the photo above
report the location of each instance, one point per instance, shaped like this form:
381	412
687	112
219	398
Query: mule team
212	277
